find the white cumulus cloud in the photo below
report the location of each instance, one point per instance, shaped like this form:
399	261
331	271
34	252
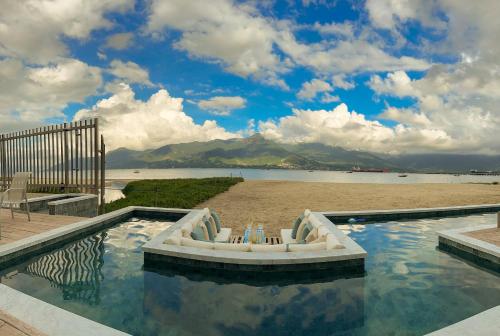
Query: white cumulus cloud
340	127
34	30
31	94
310	89
247	43
128	122
129	72
119	41
222	105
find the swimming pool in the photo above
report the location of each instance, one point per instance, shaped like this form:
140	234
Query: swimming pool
409	288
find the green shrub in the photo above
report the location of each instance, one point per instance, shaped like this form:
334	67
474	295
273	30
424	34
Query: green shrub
174	193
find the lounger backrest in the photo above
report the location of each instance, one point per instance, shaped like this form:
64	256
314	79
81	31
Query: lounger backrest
18	186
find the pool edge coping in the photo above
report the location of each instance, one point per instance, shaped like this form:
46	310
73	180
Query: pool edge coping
481	253
417	213
67	231
484	323
50	319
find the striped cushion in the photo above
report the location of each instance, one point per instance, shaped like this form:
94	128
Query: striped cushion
296	225
198	233
210	229
216	218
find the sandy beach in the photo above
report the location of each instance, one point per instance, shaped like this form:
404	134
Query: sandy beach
275	204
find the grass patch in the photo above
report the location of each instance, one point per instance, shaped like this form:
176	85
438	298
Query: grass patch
174	193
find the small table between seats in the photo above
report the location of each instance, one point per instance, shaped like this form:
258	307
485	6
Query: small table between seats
269	240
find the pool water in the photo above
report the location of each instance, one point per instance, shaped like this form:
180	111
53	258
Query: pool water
410	287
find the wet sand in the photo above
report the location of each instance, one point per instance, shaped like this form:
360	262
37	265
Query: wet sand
275	204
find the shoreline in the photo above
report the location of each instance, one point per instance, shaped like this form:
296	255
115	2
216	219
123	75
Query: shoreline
275	204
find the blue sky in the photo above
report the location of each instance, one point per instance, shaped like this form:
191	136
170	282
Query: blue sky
379	75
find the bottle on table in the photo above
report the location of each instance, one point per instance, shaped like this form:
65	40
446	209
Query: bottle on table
247	235
260	235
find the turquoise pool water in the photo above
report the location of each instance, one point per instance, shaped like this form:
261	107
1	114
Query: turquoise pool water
410	287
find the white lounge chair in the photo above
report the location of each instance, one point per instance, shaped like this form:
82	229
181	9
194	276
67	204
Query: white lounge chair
16	194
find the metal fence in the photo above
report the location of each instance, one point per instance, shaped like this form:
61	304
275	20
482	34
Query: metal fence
63	158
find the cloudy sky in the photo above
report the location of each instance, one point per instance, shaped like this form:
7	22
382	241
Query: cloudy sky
380	75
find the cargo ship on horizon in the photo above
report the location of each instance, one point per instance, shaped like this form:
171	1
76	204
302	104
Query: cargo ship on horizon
357	169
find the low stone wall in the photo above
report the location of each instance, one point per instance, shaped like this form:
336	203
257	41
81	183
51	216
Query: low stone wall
82	206
40	204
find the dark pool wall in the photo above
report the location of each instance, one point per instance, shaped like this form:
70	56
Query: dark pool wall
230	308
476	257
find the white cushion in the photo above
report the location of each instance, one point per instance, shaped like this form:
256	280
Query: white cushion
205	230
196	243
186	229
213	226
206	212
323	231
232	247
174	238
333	243
318	240
286	236
223	235
268	248
315	222
306	247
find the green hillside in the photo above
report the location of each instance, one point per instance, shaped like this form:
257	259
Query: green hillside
252	152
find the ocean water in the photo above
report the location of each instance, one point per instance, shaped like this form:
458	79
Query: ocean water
410	287
295	175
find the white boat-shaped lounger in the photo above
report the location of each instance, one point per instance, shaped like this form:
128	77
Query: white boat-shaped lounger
313	243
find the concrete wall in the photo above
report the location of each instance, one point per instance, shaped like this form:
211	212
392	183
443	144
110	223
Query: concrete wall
82	206
40	204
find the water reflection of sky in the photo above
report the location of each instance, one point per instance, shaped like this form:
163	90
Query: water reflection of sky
410	288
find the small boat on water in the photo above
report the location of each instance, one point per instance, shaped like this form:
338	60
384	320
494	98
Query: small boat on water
136	171
402	175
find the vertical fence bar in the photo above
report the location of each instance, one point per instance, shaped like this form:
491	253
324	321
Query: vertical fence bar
52	158
80	141
86	160
96	156
3	161
71	160
103	176
66	159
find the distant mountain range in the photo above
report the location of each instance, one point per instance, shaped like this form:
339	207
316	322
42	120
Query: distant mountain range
258	152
